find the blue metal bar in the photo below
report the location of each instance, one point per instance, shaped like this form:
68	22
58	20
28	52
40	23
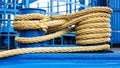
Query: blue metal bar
75	6
66	7
57	6
48	7
51	6
53	41
70	7
62	40
9	4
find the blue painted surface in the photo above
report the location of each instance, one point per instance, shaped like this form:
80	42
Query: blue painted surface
100	2
115	4
63	60
115	21
115	17
32	33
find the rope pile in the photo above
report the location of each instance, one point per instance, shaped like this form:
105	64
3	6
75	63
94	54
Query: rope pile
92	26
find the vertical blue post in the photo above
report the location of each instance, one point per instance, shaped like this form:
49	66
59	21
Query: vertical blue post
70	5
75	6
48	8
26	3
83	3
57	7
0	15
38	5
66	6
51	7
62	40
51	12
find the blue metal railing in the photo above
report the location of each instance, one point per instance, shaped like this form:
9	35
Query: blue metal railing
9	8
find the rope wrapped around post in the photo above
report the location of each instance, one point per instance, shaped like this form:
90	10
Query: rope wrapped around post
92	26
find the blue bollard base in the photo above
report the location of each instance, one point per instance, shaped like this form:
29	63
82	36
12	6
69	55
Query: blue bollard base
30	34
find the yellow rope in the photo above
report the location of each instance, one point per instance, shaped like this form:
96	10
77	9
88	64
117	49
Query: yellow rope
92	26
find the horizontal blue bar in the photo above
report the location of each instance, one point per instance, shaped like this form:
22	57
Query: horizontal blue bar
66	56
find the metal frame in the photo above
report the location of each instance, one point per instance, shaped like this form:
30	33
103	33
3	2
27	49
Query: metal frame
8	8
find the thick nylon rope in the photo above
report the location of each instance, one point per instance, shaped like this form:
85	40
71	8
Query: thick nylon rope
96	15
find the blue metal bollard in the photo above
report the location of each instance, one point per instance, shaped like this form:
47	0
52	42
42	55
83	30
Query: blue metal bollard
32	33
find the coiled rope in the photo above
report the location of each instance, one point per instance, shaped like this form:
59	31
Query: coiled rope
92	26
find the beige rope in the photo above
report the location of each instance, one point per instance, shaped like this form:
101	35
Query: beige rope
82	13
93	36
84	26
52	50
43	38
80	19
93	31
93	41
93	25
40	17
95	20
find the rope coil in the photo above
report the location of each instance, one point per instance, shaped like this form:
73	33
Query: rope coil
92	26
